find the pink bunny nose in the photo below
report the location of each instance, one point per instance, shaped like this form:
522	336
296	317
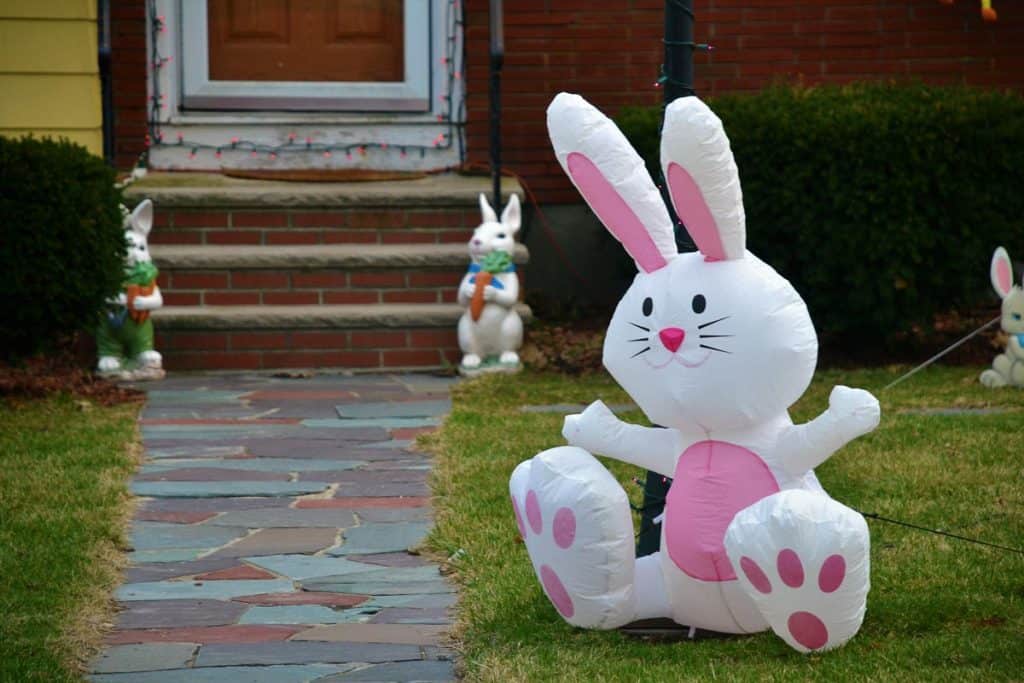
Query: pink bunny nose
477	242
672	338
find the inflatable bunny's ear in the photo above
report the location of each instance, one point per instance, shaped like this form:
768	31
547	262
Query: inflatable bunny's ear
1001	272
702	179
142	217
486	211
612	179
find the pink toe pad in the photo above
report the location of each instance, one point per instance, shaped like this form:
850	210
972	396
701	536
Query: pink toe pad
533	512
755	575
833	571
808	630
556	592
564	527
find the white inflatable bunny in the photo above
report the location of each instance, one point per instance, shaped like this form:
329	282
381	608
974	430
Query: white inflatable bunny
1008	368
491	331
715	346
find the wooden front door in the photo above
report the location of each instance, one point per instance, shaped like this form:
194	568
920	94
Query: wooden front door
306	40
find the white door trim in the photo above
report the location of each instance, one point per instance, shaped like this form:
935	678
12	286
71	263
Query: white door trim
411	94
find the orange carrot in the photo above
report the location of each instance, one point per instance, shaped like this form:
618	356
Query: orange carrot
476	304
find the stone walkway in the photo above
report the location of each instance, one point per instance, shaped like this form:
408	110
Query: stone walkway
270	544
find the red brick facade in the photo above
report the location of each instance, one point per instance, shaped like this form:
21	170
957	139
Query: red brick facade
610	52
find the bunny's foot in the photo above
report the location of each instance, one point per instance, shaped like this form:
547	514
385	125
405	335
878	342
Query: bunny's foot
992	379
151	359
471	360
509	358
109	365
575	520
803	559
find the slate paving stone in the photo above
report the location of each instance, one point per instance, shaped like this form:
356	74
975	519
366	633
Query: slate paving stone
368	572
209	474
292	652
303	598
377	588
242	572
132	658
199	590
383	489
364	502
409	615
307	614
399	671
301	567
249	633
284	517
182	517
176	613
394	515
355	411
394	444
214	504
393	560
375	476
401	634
382	538
196	451
222	489
386	423
156	535
281	540
293	673
418	601
257	464
166	556
158	572
197	396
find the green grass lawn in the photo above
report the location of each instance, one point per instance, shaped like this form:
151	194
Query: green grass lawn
63	501
939	609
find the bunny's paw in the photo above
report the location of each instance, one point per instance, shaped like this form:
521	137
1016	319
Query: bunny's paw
856	410
803	559
575	520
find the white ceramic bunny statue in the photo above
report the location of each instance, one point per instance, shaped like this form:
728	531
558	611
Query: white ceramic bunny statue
715	346
1008	368
125	335
491	331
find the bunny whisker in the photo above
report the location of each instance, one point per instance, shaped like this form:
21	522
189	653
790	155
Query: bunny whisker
701	327
640	339
645	329
714	336
712	348
643	350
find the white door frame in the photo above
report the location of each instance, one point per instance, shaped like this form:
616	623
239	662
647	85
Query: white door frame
200	92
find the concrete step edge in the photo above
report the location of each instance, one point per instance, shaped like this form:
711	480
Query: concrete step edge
213	191
220	257
350	316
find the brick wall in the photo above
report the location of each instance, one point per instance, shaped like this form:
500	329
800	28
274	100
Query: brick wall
611	51
128	73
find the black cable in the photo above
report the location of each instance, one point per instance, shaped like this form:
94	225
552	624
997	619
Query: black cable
875	515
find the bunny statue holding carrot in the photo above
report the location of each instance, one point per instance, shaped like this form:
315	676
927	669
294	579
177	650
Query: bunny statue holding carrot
490	331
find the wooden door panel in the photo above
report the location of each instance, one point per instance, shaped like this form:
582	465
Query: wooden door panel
306	40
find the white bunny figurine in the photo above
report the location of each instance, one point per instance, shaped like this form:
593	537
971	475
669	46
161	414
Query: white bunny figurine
125	335
491	331
1008	368
715	346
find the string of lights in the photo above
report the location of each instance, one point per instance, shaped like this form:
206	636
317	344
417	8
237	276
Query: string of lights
452	111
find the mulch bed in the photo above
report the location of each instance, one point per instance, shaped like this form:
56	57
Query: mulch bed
63	372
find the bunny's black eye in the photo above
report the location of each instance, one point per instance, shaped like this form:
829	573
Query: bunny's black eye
648	306
699	303
501	235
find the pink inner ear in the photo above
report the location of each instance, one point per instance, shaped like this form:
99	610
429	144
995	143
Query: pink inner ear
615	213
1004	277
694	212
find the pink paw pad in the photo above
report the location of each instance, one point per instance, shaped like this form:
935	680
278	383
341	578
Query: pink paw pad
555	589
791	570
564	528
533	512
832	573
758	579
808	630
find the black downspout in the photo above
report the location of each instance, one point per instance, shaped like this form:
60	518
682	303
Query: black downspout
677	81
497	61
106	85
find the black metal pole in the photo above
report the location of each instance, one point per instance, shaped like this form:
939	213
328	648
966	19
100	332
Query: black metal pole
677	81
106	84
497	61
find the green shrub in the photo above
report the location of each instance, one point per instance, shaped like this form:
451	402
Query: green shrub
62	242
881	203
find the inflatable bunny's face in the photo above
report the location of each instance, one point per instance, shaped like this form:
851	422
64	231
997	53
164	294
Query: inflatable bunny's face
1012	295
702	341
494	234
136	232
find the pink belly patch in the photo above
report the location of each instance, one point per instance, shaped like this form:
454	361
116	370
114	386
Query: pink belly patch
714	480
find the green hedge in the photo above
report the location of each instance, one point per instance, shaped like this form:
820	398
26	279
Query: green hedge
881	203
62	242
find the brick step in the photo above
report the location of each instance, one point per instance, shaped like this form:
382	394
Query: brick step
372	337
311	275
210	209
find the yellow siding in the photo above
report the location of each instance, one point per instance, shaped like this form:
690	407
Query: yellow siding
49	76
